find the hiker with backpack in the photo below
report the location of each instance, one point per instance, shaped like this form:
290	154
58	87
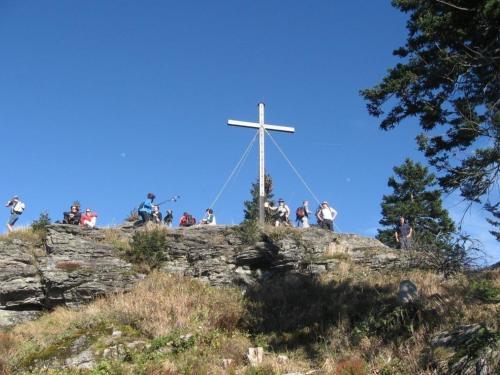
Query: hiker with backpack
209	218
146	208
169	218
302	215
326	215
282	211
16	209
187	220
73	216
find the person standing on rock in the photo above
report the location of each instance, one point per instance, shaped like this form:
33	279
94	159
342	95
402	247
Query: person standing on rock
403	234
326	215
16	209
302	215
283	212
146	208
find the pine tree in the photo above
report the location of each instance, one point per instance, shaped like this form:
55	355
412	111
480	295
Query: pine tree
448	77
421	206
252	206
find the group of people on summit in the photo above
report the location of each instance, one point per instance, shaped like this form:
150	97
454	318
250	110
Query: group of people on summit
148	211
325	215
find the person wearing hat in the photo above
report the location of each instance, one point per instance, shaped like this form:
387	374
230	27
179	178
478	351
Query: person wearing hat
16	209
325	216
89	219
283	212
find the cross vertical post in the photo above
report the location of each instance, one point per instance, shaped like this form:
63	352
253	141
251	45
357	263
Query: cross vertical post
262	170
262	128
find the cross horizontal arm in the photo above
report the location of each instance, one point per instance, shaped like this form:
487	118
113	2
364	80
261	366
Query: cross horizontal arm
255	125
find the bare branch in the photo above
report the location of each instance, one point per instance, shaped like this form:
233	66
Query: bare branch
453	5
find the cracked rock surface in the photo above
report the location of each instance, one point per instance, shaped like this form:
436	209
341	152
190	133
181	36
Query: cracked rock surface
80	264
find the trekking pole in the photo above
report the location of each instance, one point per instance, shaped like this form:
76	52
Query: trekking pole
172	199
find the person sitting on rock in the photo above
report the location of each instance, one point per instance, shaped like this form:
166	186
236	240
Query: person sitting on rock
146	208
283	212
209	218
72	217
89	219
156	216
169	218
187	220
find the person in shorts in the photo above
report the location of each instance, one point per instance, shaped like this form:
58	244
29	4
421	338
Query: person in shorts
16	210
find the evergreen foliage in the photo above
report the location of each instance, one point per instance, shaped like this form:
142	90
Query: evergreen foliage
40	225
495	221
414	198
148	247
449	78
252	206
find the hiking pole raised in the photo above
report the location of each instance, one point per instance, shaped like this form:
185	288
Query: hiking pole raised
262	127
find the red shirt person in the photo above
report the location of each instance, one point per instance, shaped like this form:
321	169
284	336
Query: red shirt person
89	219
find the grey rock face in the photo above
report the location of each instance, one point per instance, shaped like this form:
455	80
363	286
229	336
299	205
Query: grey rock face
79	265
76	268
20	282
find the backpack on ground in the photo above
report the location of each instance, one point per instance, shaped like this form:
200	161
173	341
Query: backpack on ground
300	213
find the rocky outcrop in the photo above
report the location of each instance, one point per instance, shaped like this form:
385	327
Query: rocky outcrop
470	349
80	264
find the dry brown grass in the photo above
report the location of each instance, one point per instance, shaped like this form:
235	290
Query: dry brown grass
115	238
162	303
155	307
26	234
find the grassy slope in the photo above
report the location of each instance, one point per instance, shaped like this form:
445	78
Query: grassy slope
349	323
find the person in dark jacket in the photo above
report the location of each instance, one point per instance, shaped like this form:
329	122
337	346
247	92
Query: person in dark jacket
73	216
403	234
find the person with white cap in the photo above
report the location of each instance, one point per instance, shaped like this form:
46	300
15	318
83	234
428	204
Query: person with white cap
16	209
283	212
326	215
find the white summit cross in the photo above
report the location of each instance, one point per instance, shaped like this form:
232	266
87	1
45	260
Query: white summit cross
262	172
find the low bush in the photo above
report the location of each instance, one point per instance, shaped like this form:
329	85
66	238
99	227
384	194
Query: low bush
249	232
148	247
484	290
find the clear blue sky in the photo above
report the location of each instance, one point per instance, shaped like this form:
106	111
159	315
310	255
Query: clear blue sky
104	101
